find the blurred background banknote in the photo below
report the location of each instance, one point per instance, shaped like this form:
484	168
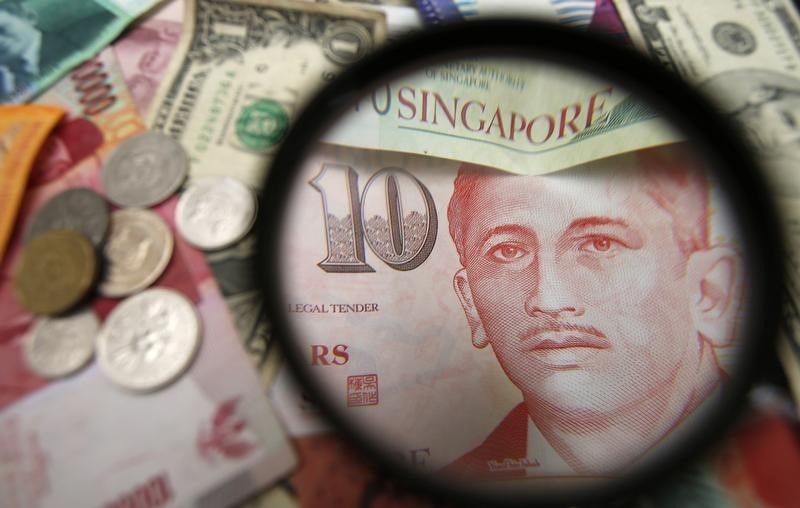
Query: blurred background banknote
42	39
244	69
23	129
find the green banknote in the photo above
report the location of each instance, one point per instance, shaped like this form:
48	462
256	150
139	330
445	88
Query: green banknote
40	40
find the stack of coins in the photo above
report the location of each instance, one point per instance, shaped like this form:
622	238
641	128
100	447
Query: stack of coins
76	248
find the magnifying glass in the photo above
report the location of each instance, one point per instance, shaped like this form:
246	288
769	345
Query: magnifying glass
515	263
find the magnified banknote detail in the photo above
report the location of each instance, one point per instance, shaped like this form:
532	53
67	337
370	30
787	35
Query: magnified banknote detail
605	296
749	65
570	321
524	117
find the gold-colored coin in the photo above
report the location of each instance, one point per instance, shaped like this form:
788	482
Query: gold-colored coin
55	271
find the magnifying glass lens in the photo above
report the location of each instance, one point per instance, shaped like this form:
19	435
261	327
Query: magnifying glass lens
511	276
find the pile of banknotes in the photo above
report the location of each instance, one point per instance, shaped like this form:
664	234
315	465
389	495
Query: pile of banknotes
137	367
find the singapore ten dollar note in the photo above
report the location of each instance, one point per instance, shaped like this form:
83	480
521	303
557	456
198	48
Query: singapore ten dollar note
748	62
398	270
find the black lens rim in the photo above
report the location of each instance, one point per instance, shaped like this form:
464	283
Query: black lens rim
595	54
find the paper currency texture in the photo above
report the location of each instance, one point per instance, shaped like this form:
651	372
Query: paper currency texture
23	131
42	40
244	69
748	63
523	116
489	325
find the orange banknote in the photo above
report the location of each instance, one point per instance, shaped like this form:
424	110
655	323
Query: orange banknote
23	130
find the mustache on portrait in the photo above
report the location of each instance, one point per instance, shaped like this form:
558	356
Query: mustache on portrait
587	335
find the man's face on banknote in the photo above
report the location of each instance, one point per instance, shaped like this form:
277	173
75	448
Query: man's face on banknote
775	122
587	283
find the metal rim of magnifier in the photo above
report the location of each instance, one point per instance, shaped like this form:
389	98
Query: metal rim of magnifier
595	55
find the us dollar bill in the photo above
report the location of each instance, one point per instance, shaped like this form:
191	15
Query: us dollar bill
240	75
789	342
748	62
244	69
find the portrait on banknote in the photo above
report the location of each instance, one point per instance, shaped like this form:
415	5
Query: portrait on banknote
72	140
766	105
603	299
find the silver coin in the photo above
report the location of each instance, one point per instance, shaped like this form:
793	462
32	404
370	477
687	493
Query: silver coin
57	347
215	212
138	251
149	339
81	209
145	170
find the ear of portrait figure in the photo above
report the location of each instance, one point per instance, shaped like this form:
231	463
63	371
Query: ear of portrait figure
599	292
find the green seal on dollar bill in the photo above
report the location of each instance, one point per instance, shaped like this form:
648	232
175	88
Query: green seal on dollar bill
262	124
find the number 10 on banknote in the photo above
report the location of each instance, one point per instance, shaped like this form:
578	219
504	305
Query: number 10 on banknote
400	232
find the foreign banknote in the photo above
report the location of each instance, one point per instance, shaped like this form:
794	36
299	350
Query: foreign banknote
789	345
41	40
758	465
23	131
398	270
100	113
144	51
748	62
524	117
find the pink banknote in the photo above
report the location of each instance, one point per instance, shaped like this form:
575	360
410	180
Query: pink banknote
565	323
757	466
208	439
100	114
145	50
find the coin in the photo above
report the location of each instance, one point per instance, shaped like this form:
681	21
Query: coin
79	209
59	346
149	339
138	251
215	212
55	271
145	170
